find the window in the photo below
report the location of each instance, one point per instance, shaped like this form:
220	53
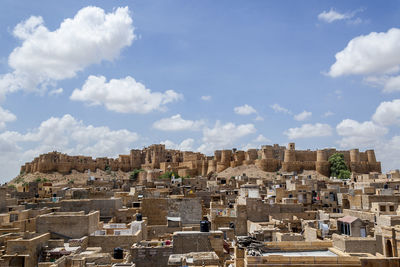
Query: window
345	228
382	208
391	208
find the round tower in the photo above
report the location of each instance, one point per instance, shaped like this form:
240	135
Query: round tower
321	155
226	156
217	155
251	154
354	155
239	156
212	166
204	167
267	153
371	156
290	155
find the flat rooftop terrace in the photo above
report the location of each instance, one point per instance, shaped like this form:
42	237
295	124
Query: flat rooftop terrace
310	253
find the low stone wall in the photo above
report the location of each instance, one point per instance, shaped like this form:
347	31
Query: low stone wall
109	242
354	244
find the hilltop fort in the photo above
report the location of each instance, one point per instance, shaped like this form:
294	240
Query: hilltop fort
186	163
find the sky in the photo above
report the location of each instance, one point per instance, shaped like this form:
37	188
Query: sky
99	78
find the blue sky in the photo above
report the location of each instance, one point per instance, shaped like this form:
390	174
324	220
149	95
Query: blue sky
101	77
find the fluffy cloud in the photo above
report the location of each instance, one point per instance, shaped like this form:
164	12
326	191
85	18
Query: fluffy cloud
64	134
223	135
206	98
56	91
328	114
376	55
185	145
261	139
302	116
244	110
333	15
278	108
391	84
6	116
368	54
387	153
123	95
46	57
177	123
388	113
256	142
309	131
356	134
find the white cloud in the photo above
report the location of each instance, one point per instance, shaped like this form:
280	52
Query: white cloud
333	15
46	57
375	54
259	118
280	109
177	123
6	116
371	134
223	136
355	134
392	84
185	145
309	131
388	113
65	134
302	116
261	139
244	110
328	114
206	97
255	143
56	91
387	153
123	95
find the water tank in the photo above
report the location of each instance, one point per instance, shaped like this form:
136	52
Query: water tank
138	217
204	226
385	186
232	225
118	253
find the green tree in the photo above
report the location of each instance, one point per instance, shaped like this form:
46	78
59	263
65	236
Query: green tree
344	174
168	175
108	169
135	174
338	166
